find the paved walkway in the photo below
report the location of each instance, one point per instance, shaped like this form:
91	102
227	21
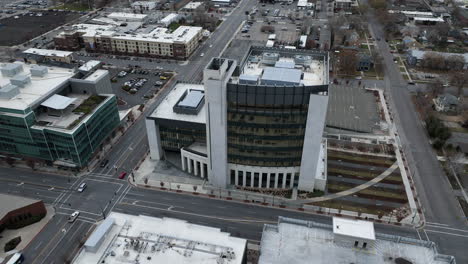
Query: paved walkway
356	189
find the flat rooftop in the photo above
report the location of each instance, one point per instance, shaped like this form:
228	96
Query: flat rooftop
352	109
165	109
285	67
143	239
48	52
38	89
353	228
299	241
121	15
13	202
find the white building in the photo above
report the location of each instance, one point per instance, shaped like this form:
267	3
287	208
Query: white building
216	130
167	20
142	239
192	6
130	17
347	241
143	5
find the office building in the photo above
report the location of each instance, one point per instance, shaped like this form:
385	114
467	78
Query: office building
258	124
54	114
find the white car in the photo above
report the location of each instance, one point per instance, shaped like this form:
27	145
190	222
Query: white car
203	54
73	217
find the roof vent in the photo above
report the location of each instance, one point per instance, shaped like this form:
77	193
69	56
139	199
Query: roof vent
9	91
38	71
11	69
20	80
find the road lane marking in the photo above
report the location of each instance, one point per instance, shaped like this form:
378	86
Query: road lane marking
246	221
432	223
446	233
419	235
38	245
64	235
426	235
449	228
50	241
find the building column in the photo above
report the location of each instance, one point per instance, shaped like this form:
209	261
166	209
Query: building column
291	183
244	182
195	167
154	140
202	168
182	160
260	180
268	181
189	165
285	177
252	179
276	180
236	177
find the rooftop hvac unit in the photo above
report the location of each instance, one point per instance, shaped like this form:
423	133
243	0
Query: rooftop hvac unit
303	59
11	69
20	80
38	71
270	58
9	91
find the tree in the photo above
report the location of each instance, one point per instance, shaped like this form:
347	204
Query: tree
310	43
31	163
145	181
455	62
378	4
459	80
162	184
10	161
267	29
348	62
436	88
195	187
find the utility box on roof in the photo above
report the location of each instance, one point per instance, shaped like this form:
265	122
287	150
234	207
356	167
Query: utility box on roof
350	232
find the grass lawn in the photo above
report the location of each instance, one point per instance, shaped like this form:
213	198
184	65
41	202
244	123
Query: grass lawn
365	175
360	158
450	176
73	7
173	26
458	129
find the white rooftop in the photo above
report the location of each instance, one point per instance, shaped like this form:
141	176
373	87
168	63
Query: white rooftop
313	75
165	111
96	75
182	34
431	19
48	52
353	228
58	102
89	65
298	241
192	5
163	240
121	15
38	89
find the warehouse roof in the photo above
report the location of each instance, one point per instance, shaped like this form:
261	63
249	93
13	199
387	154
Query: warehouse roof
48	52
283	75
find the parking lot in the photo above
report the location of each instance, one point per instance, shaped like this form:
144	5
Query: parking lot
126	86
18	29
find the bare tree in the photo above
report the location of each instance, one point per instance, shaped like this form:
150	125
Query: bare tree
436	88
455	62
347	62
459	79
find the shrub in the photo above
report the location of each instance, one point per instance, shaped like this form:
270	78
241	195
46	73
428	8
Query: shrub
10	245
26	221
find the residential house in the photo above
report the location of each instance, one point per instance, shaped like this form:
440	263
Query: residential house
446	103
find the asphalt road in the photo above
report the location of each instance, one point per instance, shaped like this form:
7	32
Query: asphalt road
59	240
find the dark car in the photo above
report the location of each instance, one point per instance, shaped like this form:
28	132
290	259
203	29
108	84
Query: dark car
104	163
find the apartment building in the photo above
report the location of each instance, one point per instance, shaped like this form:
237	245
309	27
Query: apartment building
156	42
258	124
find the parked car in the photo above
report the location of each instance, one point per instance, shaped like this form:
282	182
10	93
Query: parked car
104	163
158	83
73	217
122	175
122	74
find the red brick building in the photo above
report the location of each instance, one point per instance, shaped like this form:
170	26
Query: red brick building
16	211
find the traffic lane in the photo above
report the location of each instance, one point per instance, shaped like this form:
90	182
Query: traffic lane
448	242
187	205
46	194
95	199
63	250
28	176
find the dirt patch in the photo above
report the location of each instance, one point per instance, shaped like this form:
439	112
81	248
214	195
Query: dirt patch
14	31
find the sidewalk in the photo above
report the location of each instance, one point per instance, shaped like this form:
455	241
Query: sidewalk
26	233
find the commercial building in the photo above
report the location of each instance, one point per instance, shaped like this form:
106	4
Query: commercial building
127	17
346	241
55	114
170	18
141	6
258	124
193	6
17	211
45	55
142	239
148	42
